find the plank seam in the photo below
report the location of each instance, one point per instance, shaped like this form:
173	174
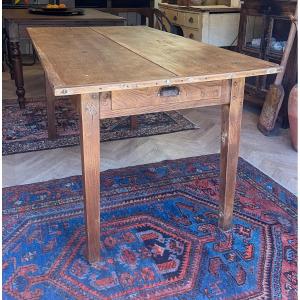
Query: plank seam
124	46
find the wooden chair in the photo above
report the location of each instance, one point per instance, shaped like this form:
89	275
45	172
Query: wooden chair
161	20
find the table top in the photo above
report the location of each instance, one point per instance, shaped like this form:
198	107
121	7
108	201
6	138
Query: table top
90	14
95	59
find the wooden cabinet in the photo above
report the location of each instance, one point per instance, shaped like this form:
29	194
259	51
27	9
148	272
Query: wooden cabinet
216	25
192	20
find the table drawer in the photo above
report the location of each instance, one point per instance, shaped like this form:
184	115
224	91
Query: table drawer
162	96
192	20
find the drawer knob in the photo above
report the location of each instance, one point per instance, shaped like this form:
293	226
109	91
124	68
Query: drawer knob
191	20
191	36
175	18
169	91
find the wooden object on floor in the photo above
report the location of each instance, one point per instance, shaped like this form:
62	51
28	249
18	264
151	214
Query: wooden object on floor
17	20
260	23
275	95
216	25
293	116
116	61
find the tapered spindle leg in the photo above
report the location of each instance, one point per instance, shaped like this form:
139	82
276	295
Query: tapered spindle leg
230	139
18	72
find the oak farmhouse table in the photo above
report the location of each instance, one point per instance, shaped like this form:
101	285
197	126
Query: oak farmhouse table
17	20
121	71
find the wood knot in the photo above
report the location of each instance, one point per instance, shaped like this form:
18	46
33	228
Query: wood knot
91	109
223	137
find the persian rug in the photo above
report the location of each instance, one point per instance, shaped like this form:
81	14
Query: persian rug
26	130
159	237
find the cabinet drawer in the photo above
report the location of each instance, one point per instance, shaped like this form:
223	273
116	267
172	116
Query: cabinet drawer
180	18
192	20
192	34
214	92
172	15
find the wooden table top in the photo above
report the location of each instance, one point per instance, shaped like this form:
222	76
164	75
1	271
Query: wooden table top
90	14
95	59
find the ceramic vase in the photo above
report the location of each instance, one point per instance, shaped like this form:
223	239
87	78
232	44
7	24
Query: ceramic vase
293	116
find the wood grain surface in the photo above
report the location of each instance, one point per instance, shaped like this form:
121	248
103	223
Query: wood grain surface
96	59
230	143
90	158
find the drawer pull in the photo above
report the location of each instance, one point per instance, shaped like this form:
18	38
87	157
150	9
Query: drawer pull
191	36
191	20
175	18
169	91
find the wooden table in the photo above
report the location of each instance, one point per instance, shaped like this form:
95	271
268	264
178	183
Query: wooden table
120	71
17	20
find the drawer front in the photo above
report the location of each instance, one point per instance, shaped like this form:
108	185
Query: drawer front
180	18
192	34
172	15
158	96
192	20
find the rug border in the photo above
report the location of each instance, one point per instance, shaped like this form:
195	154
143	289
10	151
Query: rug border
64	141
241	160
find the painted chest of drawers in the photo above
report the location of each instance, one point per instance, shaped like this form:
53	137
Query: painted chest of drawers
216	25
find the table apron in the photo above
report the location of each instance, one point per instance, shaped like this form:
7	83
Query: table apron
149	100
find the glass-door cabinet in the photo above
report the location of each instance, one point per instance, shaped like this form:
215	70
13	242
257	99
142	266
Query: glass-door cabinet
263	32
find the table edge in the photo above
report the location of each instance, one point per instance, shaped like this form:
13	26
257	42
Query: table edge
69	90
46	17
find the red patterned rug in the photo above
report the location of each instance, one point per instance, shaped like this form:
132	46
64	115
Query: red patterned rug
26	130
159	237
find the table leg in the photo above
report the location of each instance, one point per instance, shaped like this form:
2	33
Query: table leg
10	64
90	153
133	122
230	138
50	110
18	72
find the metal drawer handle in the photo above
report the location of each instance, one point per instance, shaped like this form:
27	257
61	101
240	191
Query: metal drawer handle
191	36
191	20
169	91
